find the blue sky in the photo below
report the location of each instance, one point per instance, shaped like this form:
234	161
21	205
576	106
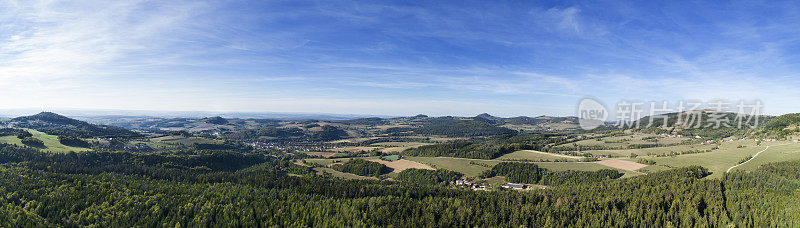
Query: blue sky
506	58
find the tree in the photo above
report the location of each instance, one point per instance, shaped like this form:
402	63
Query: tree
24	134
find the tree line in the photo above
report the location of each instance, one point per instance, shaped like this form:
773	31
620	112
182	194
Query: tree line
530	173
362	167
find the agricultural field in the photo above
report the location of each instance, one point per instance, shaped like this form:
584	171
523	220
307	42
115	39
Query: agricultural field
461	165
355	149
536	156
50	142
653	169
321	161
626	140
651	151
400	165
582	166
777	152
621	164
717	161
323	154
474	167
397	147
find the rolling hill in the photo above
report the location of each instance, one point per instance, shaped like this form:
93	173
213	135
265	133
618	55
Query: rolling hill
55	124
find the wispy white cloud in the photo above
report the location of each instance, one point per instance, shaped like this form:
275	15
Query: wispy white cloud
341	56
58	39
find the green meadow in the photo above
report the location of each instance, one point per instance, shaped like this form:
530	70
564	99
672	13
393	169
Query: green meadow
51	142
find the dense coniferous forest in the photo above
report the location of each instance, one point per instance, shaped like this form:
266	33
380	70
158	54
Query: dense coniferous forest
461	150
362	167
226	183
462	128
32	142
490	148
530	173
13	131
73	141
227	189
294	134
428	177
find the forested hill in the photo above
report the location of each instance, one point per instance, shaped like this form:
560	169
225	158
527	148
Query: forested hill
56	124
705	123
780	127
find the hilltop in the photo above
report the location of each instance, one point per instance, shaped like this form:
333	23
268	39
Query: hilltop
704	123
55	124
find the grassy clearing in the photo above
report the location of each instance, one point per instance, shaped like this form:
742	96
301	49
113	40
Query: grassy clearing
625	141
461	165
653	169
582	166
328	161
716	161
50	141
775	153
394	150
496	182
354	149
400	165
622	164
534	156
397	147
320	161
646	151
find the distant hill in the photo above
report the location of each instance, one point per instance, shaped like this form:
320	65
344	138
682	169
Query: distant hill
692	118
194	125
783	122
702	123
56	124
782	126
485	115
215	120
524	120
372	121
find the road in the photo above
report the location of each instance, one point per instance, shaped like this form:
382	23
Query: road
748	160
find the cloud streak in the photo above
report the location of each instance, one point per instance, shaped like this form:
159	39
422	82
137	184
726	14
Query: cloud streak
516	58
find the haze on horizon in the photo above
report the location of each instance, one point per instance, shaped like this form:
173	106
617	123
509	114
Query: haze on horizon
506	58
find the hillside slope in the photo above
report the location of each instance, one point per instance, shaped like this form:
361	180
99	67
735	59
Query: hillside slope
55	124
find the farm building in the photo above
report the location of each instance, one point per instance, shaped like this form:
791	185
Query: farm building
514	186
